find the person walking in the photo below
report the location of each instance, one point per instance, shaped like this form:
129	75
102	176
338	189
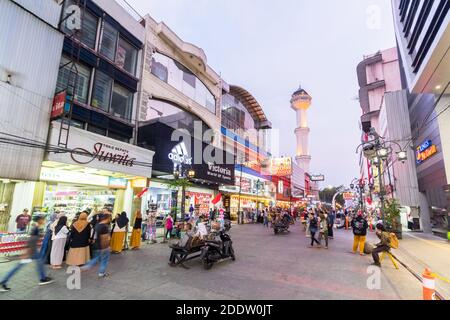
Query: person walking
79	239
135	241
22	221
313	228
59	243
331	220
46	242
119	232
151	227
169	228
383	246
32	254
266	218
323	228
102	235
359	226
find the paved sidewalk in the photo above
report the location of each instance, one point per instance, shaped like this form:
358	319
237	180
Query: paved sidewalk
419	251
268	267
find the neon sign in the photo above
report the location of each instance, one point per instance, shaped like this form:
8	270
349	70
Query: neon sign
425	151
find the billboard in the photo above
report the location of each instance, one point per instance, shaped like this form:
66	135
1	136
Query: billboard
280	167
317	177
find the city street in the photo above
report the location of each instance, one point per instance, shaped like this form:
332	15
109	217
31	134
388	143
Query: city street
267	267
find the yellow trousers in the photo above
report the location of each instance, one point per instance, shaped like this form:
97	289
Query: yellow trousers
359	240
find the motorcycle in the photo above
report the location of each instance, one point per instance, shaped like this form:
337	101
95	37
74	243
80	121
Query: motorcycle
217	250
282	226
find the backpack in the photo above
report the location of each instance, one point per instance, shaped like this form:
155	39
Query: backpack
394	241
313	223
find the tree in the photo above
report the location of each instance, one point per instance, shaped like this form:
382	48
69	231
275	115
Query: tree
326	195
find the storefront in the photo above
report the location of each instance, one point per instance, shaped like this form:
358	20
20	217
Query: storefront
252	192
97	172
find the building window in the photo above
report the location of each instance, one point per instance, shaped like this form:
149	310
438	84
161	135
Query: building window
88	33
97	130
118	137
182	79
67	79
101	96
121	104
109	41
126	56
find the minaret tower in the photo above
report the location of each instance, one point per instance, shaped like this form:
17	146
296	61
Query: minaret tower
300	102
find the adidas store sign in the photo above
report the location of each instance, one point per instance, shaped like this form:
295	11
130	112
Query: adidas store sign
180	155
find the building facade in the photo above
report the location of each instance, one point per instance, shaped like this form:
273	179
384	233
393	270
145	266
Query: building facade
423	33
29	62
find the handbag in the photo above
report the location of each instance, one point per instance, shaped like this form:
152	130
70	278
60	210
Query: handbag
68	241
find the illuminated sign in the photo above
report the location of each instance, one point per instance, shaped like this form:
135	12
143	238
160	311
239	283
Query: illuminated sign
139	183
348	196
117	183
425	151
281	167
316	178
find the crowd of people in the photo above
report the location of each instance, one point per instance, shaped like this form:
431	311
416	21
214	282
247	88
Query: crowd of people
88	240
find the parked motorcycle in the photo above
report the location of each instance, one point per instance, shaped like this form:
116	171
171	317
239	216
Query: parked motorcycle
217	250
282	225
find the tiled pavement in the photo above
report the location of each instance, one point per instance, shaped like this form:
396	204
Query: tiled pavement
267	267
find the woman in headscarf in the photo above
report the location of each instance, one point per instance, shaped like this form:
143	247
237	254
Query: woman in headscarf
119	232
51	228
135	241
46	242
59	243
80	234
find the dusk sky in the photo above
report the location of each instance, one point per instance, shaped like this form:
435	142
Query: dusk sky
271	47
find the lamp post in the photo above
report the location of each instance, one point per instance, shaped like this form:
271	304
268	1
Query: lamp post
240	218
379	150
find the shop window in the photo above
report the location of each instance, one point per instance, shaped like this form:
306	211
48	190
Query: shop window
121	104
88	33
101	96
126	56
97	130
66	78
109	41
159	68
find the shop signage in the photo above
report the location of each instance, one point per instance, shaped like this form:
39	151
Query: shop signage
117	183
58	104
50	174
139	183
281	167
425	151
348	196
180	155
91	150
317	178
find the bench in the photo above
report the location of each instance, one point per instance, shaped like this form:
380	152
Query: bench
180	255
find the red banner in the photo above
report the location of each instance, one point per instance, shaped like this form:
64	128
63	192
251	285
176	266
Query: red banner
58	104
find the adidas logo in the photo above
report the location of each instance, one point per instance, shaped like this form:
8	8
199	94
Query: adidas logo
180	155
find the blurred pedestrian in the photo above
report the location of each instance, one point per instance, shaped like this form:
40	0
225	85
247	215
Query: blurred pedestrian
119	232
323	228
151	226
313	228
46	242
135	241
359	226
331	220
59	243
169	228
101	246
29	256
79	239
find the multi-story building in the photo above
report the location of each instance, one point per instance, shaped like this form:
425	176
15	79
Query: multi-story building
423	35
93	160
385	107
29	60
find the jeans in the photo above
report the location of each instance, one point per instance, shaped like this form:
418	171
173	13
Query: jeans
266	222
18	266
45	245
377	250
313	237
359	240
168	232
101	256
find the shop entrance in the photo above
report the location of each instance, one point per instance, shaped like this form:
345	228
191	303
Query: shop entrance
71	199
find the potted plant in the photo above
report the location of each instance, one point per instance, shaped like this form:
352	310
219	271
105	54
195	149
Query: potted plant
392	217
